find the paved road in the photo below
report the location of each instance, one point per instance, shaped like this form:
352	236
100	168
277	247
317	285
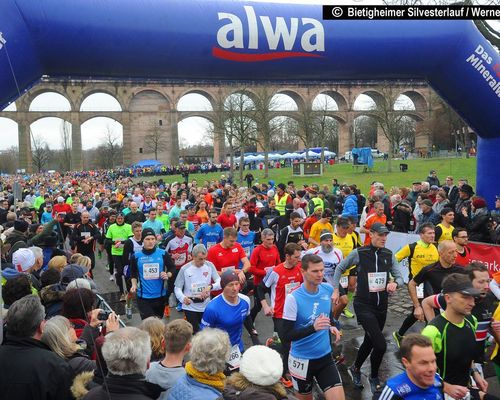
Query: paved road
399	306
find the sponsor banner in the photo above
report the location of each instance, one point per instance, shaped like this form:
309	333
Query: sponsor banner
488	254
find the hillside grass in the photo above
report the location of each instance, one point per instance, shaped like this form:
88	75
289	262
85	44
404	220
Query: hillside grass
418	170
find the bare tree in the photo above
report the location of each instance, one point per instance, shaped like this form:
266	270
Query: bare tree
325	126
155	140
241	129
266	105
285	138
110	150
365	131
391	121
306	129
9	160
65	132
40	152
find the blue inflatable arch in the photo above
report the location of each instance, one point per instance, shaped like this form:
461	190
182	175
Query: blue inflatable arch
236	40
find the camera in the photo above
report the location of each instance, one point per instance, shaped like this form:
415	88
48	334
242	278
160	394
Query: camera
103	315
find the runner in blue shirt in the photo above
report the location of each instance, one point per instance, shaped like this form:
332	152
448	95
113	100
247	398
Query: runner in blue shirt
420	381
228	311
246	237
210	233
149	269
307	324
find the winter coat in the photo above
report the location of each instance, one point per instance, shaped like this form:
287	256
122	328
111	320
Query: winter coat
239	388
126	387
350	206
31	371
51	297
188	388
477	226
402	217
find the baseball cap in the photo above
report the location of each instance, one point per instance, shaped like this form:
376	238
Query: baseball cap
23	259
227	277
427	202
460	283
180	225
72	272
379	228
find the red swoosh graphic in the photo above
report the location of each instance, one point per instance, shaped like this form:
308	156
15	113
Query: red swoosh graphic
245	57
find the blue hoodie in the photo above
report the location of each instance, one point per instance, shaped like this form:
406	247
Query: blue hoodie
350	206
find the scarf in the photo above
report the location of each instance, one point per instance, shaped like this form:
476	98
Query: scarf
217	380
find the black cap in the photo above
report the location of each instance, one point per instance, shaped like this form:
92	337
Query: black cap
180	225
379	228
228	276
460	283
147	232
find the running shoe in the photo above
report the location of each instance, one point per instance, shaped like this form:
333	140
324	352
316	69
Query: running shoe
286	382
111	278
123	297
254	332
355	375
397	338
179	307
346	313
375	385
269	342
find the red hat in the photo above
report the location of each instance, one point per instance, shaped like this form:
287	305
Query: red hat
479	202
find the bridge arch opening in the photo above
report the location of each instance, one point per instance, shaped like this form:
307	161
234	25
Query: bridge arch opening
195	101
196	139
325	102
50	101
102	143
284	102
100	101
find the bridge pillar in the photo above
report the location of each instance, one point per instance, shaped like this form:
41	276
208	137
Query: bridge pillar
127	139
24	138
422	140
174	137
344	138
219	147
76	142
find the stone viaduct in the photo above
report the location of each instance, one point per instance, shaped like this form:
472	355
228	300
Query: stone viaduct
142	102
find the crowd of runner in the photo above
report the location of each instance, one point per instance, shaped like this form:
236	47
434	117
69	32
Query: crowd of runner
308	257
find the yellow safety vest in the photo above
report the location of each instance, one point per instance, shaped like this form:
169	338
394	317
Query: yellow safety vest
281	203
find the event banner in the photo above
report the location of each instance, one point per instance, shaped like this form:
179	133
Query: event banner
488	254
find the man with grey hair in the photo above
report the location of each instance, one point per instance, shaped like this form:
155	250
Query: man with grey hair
127	352
193	285
30	370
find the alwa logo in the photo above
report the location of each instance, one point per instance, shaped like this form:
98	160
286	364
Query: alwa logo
296	37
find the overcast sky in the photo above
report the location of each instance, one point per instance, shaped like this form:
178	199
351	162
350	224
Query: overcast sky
191	130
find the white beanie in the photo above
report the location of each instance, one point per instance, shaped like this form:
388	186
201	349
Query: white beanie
261	365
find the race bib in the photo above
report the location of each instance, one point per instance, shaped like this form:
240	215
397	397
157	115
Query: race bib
197	288
420	291
210	244
344	282
247	251
290	287
234	357
181	260
227	268
377	281
151	271
85	234
298	367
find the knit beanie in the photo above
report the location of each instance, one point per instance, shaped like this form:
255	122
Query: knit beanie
261	365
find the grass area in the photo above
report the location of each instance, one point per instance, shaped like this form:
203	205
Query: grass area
417	170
